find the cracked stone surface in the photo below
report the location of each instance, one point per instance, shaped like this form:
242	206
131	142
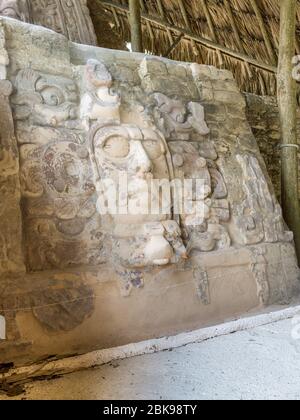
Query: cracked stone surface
262	363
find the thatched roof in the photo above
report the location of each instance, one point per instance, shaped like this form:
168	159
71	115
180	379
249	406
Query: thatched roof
239	35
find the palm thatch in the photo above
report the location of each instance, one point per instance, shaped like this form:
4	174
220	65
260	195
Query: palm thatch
246	30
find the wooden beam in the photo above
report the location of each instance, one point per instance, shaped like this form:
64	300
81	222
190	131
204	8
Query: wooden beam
264	31
287	102
192	36
174	45
135	26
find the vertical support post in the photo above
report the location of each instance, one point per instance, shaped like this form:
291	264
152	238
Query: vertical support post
136	26
287	108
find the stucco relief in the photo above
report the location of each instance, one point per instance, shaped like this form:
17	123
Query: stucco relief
57	186
70	18
10	8
260	215
140	153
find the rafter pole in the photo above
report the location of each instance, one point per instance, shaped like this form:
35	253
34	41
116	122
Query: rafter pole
236	33
136	26
187	24
192	36
287	102
163	16
174	45
149	28
264	31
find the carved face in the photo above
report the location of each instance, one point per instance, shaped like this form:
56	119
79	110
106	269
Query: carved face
140	239
97	75
9	8
141	155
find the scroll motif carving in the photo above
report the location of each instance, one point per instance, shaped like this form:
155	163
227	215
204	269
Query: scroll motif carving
62	226
194	158
44	100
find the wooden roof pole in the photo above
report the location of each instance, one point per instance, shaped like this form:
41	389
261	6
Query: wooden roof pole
211	27
199	39
287	103
234	26
187	24
163	16
236	33
149	28
264	31
136	26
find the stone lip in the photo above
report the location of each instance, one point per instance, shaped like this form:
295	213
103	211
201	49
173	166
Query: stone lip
11	375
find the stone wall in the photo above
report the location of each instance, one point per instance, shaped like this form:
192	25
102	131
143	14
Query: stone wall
262	114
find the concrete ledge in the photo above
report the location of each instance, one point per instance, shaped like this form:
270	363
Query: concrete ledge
101	357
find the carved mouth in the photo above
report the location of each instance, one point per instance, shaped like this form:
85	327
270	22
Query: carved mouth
161	262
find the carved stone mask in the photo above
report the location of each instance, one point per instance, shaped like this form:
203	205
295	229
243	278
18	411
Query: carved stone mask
142	154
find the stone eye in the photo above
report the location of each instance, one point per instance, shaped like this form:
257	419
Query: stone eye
52	96
117	147
153	148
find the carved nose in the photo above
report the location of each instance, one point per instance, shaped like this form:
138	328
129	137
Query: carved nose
142	162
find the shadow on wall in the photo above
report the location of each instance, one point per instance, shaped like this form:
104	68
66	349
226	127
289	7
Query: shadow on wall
105	28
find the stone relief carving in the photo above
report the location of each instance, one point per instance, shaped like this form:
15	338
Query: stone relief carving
193	157
44	100
66	136
260	216
142	155
57	186
72	139
98	102
10	8
178	121
70	18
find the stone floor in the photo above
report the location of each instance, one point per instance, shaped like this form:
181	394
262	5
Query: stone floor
263	363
